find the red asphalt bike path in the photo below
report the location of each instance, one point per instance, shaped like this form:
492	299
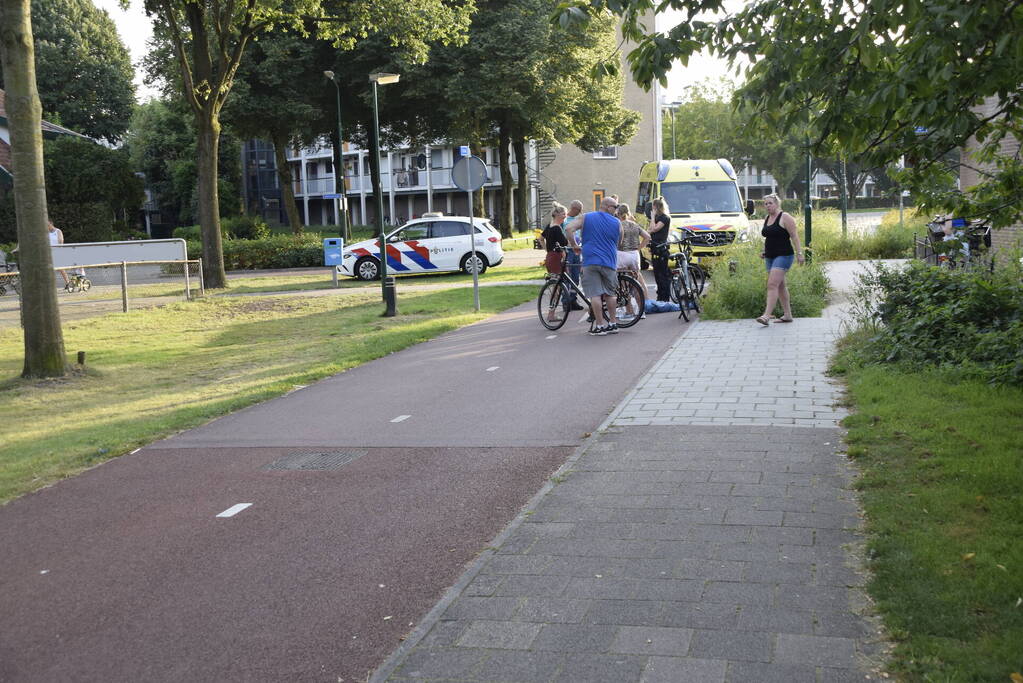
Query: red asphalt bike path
125	572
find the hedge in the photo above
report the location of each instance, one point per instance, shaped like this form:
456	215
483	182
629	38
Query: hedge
281	251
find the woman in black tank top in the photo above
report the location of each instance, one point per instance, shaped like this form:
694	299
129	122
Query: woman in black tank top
781	247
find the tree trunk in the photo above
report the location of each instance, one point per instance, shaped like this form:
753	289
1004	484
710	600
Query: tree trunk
503	155
280	143
44	339
207	146
522	191
374	171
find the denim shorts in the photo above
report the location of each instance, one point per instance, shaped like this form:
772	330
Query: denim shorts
779	262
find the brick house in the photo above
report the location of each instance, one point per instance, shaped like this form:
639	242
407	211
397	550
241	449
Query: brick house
1010	237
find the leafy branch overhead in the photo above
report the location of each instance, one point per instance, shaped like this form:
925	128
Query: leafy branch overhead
879	80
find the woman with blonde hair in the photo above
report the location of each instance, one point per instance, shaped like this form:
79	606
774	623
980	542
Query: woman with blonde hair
633	239
781	247
660	229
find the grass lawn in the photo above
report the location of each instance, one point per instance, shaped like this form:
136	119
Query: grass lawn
942	485
305	280
155	372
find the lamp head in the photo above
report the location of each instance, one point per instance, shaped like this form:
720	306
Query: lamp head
329	74
384	78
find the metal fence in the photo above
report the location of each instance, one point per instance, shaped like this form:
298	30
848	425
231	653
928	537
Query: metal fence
98	288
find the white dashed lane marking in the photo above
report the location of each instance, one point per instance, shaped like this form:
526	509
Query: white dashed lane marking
401	418
234	510
552	336
493	367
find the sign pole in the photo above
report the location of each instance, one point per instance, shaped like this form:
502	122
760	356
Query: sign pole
469	173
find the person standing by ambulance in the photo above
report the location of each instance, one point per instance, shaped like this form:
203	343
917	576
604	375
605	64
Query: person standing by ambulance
659	229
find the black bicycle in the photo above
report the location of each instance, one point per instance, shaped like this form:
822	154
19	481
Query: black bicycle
687	278
559	291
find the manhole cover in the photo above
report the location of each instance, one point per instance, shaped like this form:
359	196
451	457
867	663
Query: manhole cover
315	461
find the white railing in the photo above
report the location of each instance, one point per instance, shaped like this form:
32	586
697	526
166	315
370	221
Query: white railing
403	181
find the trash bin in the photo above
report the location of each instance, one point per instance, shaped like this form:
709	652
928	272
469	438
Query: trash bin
332	251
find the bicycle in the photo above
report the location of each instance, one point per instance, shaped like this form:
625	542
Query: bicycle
687	279
559	291
76	282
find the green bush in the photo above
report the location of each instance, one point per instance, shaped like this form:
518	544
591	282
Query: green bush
921	316
739	292
245	227
279	251
83	222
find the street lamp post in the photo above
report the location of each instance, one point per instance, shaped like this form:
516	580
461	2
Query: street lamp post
386	284
339	172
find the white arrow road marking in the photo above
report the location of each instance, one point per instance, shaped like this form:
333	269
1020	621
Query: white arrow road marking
234	510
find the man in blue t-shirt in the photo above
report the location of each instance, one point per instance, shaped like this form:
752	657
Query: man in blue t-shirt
600	261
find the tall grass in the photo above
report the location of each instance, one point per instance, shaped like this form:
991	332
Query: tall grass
889	240
740	292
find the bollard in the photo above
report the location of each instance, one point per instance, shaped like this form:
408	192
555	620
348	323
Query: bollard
81	357
390	303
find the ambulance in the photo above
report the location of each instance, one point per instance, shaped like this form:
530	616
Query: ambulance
703	196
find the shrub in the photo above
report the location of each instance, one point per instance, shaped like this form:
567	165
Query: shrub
740	292
245	227
83	222
921	316
279	251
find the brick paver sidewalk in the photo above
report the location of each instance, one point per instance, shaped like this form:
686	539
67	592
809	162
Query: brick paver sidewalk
707	533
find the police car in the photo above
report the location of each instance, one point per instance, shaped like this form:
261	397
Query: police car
431	244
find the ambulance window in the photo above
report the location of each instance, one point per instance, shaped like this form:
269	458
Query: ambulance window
643	198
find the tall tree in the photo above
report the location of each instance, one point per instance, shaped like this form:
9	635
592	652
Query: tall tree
44	339
83	70
161	142
883	79
271	100
209	38
520	78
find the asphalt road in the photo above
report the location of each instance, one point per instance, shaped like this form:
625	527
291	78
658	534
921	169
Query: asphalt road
414	462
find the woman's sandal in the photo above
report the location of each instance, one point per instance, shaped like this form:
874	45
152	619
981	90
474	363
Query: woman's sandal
783	320
763	320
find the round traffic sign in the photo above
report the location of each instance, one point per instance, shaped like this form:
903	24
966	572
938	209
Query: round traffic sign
469	173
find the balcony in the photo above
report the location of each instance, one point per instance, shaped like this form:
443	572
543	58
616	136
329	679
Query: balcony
404	182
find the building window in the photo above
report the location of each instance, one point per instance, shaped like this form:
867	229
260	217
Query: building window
606	153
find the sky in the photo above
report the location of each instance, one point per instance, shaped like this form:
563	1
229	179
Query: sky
135	29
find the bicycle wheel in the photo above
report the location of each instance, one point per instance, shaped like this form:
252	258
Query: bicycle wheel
631	300
697	278
69	287
550	305
678	295
86	284
673	289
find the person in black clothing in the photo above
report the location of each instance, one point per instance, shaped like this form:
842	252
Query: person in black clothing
781	247
552	237
660	227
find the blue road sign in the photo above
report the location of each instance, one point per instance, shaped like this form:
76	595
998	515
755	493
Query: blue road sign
332	196
464	150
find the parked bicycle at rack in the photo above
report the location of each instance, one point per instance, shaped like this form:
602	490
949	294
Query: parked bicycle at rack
559	291
687	278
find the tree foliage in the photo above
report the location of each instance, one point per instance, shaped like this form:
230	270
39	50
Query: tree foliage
83	70
208	39
161	144
880	80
